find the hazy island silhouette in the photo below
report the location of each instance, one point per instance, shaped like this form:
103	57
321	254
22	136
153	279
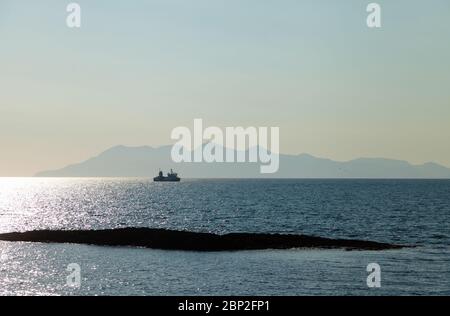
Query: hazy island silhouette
144	161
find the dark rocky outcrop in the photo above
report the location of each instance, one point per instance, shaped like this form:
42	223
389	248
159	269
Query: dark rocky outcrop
193	241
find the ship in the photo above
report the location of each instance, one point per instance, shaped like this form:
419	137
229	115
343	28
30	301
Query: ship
171	177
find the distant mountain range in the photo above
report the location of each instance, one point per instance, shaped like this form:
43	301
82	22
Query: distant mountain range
145	161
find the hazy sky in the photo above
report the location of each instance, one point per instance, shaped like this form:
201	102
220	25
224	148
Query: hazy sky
137	69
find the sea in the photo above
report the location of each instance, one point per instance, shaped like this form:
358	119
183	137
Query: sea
407	212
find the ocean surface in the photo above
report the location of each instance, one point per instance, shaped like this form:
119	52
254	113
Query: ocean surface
411	212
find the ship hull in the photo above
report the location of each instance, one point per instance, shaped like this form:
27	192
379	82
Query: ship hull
164	179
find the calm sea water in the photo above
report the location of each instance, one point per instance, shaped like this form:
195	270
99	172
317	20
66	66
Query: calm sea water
413	212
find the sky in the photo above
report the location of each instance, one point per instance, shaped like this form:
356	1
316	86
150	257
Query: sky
137	69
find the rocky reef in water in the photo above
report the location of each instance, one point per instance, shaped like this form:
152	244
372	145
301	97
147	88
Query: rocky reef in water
191	241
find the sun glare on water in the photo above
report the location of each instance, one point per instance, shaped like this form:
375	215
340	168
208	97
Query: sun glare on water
22	198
